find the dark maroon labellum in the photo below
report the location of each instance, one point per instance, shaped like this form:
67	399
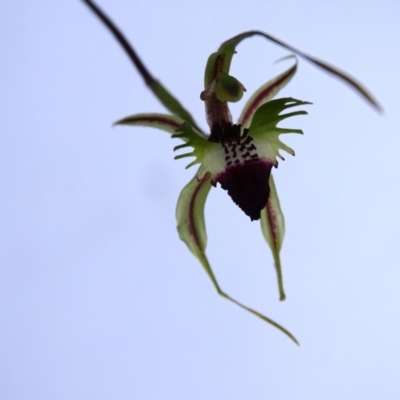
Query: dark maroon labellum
248	186
246	178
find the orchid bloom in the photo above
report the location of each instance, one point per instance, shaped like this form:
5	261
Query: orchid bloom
239	156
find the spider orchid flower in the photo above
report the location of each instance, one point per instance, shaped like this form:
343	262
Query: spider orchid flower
237	156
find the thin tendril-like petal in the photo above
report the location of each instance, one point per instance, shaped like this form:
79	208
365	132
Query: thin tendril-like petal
265	93
165	122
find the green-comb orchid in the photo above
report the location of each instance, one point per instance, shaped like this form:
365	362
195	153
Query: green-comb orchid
239	156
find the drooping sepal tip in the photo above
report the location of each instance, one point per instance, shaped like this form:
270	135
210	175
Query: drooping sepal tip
273	229
192	231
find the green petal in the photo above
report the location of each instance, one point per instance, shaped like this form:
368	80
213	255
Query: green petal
264	94
227	49
192	231
273	229
165	122
162	94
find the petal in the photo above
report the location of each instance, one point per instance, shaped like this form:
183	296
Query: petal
264	94
180	130
165	122
162	94
228	49
273	229
191	228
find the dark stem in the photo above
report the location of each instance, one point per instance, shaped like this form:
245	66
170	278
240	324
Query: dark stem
144	72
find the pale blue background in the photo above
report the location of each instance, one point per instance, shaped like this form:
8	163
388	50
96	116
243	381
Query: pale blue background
98	297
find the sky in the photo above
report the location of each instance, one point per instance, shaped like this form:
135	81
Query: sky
99	299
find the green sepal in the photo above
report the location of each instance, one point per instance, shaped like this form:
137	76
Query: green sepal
190	217
273	229
228	49
192	231
209	71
